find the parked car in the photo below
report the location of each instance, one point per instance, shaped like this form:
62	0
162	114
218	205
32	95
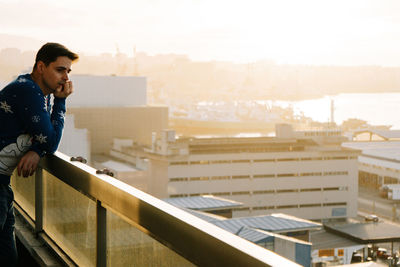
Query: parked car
382	253
356	257
371	218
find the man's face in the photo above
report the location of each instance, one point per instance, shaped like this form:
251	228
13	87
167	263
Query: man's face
56	73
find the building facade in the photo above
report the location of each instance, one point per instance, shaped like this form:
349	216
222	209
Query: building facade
305	177
379	163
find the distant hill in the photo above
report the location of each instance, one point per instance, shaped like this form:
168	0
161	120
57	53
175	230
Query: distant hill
20	42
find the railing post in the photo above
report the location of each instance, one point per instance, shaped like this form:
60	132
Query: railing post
39	200
101	235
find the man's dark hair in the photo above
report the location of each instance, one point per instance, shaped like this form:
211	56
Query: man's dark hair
51	51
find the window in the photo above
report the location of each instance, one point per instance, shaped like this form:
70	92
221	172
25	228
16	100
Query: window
287	207
326	253
201	162
241	161
203	178
286	175
311	174
288	159
241	193
339	158
264	160
178	179
241	209
310	205
340	252
310	189
336	173
311	158
264	208
287	191
220	177
335	204
220	161
264	192
331	189
178	163
240	176
263	175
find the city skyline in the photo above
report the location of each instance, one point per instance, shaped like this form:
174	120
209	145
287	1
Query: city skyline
287	32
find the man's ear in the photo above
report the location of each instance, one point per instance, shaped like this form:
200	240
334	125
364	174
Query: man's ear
40	66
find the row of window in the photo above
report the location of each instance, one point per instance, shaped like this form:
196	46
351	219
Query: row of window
322	133
291	206
256	176
205	162
259	192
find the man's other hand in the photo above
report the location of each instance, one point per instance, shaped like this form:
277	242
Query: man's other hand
28	164
64	90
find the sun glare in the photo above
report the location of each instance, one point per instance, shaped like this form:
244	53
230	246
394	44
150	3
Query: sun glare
288	31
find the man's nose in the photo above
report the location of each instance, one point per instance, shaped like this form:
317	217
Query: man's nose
65	77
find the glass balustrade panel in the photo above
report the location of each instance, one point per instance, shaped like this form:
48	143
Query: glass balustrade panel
128	246
24	192
70	220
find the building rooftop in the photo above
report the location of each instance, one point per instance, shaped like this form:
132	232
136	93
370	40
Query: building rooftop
246	232
118	166
254	235
207	202
388	150
387	163
250	228
267	223
371	232
325	240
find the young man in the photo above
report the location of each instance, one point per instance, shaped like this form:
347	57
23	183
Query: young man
30	128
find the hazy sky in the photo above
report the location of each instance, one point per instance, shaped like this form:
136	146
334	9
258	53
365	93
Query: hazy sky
339	32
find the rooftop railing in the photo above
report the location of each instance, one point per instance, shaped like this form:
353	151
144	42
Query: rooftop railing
97	220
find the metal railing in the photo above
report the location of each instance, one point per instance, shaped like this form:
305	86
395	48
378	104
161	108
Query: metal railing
98	220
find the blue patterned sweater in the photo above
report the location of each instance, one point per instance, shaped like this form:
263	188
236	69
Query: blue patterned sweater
26	123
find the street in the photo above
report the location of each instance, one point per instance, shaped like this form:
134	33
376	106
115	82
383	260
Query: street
369	202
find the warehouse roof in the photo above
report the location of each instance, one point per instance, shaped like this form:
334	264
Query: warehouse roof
268	223
207	202
370	232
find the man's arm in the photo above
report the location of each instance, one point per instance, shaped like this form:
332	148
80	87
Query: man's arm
51	126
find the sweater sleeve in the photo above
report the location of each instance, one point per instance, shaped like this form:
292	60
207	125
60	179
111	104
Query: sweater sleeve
45	129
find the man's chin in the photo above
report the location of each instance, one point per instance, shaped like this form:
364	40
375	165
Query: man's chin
56	89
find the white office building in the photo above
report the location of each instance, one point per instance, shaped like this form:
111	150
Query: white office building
108	91
100	105
305	174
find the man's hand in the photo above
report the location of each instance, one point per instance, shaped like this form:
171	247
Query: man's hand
64	90
28	164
